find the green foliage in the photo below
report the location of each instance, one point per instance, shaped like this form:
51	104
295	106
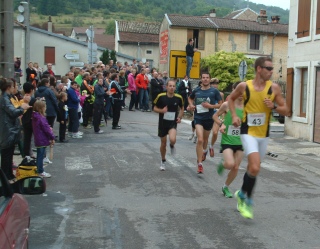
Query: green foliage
105	57
113	55
151	9
111	27
224	66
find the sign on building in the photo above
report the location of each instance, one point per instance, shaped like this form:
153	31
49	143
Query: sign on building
178	64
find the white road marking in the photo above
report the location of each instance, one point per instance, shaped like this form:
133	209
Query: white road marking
273	167
78	163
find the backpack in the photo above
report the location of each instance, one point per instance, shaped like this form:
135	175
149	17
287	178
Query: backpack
177	86
27	168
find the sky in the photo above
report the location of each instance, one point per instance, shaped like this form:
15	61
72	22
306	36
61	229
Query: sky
284	4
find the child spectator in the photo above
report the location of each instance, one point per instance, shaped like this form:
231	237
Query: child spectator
44	135
62	117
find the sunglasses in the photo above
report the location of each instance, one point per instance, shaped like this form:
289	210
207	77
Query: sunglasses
268	68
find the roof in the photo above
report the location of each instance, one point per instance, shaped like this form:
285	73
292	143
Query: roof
82	30
106	41
206	22
65	38
127	37
139	27
243	14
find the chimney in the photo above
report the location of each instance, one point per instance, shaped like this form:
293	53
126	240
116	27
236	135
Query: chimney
49	25
275	19
262	17
212	13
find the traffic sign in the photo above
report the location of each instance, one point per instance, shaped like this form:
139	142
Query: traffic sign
76	64
92	46
92	59
72	56
178	64
90	33
242	69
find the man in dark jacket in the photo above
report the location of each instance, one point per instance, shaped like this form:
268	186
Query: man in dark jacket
190	52
73	105
98	105
156	87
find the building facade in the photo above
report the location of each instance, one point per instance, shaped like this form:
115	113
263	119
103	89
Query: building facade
303	90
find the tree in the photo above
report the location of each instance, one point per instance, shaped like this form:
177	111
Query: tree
111	27
224	66
105	57
113	55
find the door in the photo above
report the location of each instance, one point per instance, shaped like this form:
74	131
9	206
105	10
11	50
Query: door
316	127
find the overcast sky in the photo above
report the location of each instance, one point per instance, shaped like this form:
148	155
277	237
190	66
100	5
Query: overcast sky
284	4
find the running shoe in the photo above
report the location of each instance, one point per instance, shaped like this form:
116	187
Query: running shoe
46	160
204	156
195	139
163	166
45	175
200	168
226	192
240	201
172	150
247	211
211	151
220	168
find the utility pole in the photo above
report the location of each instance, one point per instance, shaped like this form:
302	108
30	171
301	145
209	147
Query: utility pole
26	22
6	39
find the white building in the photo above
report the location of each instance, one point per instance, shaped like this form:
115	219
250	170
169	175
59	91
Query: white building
303	63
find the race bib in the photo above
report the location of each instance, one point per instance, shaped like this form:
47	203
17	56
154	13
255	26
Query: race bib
256	119
201	109
233	131
169	116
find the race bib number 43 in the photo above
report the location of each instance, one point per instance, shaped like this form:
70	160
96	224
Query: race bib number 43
256	119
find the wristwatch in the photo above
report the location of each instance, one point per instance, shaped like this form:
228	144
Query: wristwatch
274	106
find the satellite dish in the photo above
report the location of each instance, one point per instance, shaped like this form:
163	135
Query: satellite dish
20	18
21	9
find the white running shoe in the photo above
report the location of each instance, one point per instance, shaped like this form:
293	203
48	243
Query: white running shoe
45	174
163	166
76	135
195	139
46	160
80	133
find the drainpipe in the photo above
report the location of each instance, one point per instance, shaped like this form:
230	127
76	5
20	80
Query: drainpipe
274	36
216	41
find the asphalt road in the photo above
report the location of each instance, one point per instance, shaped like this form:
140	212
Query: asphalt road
106	191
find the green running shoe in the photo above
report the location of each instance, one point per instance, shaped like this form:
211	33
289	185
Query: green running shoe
247	211
220	168
240	201
226	192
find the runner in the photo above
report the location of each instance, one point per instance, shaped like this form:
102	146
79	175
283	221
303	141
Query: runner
203	101
166	104
231	145
260	96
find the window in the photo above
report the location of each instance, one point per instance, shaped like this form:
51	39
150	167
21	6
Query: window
304	11
198	36
149	52
303	92
49	55
318	18
254	42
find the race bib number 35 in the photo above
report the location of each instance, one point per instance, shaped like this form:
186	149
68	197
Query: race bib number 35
256	119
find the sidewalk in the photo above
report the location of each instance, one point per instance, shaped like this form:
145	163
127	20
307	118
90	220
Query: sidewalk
294	151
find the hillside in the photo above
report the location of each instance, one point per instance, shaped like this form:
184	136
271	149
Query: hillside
69	13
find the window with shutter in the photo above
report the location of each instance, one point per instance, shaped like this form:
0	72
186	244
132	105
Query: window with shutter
49	55
198	36
304	11
303	92
254	42
318	18
289	90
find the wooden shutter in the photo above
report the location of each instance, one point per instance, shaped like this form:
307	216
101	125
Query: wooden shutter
49	55
289	90
201	39
304	12
254	41
318	18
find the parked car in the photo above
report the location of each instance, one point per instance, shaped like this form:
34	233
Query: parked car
14	210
